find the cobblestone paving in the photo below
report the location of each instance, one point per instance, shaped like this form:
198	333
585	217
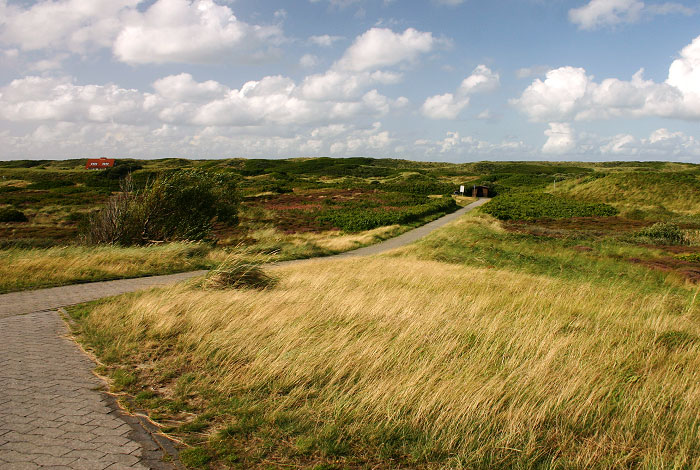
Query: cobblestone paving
55	297
52	413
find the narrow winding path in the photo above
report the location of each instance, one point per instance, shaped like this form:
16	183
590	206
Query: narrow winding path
54	412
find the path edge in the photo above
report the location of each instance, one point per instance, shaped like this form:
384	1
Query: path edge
144	430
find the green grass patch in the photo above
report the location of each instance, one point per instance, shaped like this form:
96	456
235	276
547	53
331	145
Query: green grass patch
530	206
195	457
479	241
359	219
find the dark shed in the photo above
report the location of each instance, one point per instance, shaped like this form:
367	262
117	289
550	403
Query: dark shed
480	191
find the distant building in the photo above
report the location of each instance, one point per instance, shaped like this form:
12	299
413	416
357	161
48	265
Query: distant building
480	191
99	163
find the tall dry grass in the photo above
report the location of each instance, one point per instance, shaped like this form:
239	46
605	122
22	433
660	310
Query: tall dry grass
472	368
287	246
34	268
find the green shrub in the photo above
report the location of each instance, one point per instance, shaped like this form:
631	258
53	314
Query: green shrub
359	219
176	206
9	189
694	257
12	215
50	184
529	206
662	232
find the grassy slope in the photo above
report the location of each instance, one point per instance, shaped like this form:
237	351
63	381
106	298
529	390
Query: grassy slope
660	192
402	361
480	241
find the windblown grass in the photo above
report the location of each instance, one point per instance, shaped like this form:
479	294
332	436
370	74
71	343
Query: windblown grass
34	268
238	273
286	246
480	240
400	362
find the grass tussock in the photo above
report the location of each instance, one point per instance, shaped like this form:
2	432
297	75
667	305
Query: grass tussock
443	366
238	273
34	268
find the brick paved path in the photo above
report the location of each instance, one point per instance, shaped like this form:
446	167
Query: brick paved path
52	412
55	297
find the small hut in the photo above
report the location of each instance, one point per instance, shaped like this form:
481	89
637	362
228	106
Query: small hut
480	191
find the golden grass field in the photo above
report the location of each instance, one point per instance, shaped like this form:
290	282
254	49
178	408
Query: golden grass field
33	268
45	267
407	363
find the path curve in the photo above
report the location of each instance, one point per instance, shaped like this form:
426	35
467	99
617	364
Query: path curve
53	412
17	303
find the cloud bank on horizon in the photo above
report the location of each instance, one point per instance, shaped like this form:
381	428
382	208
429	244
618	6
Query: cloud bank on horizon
447	80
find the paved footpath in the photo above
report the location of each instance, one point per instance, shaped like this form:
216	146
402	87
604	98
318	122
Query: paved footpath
54	413
29	301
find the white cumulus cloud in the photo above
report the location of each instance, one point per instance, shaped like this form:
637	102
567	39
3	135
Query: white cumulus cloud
180	31
449	105
570	93
445	106
198	31
481	80
381	47
73	25
560	139
600	13
50	99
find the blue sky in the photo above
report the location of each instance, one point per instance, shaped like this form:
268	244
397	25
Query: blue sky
440	80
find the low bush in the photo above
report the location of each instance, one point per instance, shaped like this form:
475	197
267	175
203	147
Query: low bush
9	189
50	184
176	206
359	219
662	232
12	215
529	206
693	258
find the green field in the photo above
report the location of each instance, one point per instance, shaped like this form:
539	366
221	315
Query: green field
554	328
312	207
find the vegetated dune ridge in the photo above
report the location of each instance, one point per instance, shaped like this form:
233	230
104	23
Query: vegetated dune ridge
400	362
663	192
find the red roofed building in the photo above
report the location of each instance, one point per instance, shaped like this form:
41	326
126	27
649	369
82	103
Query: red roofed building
99	163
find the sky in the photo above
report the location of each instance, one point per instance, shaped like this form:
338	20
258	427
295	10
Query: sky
432	80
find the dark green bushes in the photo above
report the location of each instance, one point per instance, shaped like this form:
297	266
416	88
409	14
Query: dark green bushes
662	232
358	166
528	206
359	219
51	184
180	205
12	215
